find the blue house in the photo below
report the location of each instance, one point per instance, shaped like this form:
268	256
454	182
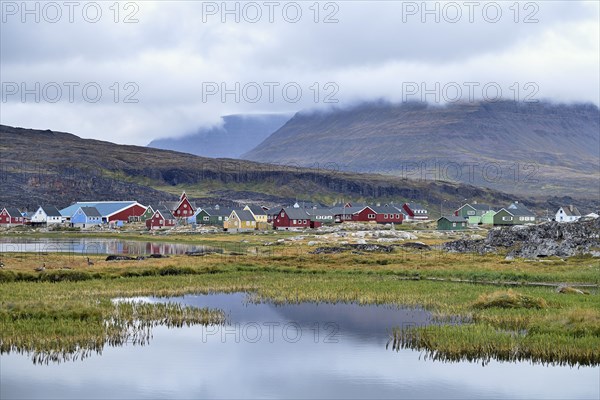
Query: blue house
86	217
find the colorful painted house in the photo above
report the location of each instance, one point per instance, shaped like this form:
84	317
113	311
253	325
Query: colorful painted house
213	216
474	213
149	213
514	216
10	216
86	217
112	212
320	216
47	215
292	218
472	210
415	212
387	215
162	218
567	214
451	223
181	209
240	221
260	215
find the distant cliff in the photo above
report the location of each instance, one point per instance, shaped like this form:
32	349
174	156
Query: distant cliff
535	148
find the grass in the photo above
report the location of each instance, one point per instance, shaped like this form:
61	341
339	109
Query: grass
64	312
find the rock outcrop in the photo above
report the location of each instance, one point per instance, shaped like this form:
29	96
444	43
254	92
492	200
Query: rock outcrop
545	240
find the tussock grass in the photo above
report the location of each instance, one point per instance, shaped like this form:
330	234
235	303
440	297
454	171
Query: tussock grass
509	299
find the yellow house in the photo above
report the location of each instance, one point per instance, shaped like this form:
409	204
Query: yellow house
240	220
257	212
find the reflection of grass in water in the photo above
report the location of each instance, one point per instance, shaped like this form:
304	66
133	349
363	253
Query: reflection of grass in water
512	327
65	310
77	331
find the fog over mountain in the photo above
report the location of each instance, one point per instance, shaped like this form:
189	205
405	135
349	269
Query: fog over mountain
237	135
517	147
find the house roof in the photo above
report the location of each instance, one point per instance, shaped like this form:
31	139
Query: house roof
346	210
415	206
13	212
222	211
385	210
165	213
256	210
105	208
453	218
91	211
296	213
521	212
574	212
319	211
51	211
244	215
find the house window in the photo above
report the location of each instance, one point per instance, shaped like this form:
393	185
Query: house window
205	218
294	221
371	216
304	221
397	216
470	212
385	216
161	222
506	218
185	206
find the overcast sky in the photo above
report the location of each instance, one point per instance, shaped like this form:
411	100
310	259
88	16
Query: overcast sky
162	73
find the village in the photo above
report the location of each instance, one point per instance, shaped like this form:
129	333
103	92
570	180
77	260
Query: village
168	215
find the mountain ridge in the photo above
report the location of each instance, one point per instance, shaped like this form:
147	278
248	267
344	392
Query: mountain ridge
45	167
553	141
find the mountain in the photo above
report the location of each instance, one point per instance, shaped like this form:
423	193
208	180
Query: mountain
533	148
46	167
237	135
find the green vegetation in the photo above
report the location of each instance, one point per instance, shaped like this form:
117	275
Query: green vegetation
61	312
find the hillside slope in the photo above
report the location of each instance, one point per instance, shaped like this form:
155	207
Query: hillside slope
46	167
517	147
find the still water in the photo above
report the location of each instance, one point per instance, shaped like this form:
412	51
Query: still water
286	351
92	246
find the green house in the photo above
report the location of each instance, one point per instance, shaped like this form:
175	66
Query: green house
451	223
488	218
515	214
213	216
473	210
148	213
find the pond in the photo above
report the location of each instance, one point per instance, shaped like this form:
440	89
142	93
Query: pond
305	350
91	246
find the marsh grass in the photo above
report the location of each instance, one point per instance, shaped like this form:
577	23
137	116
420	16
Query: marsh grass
53	334
69	313
509	299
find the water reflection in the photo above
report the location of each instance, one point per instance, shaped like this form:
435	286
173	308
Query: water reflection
296	355
92	246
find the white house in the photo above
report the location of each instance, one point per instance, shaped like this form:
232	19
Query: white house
47	215
567	214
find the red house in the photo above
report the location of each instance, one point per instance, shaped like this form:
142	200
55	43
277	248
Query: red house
415	211
291	218
131	212
388	215
162	218
183	209
366	214
11	216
